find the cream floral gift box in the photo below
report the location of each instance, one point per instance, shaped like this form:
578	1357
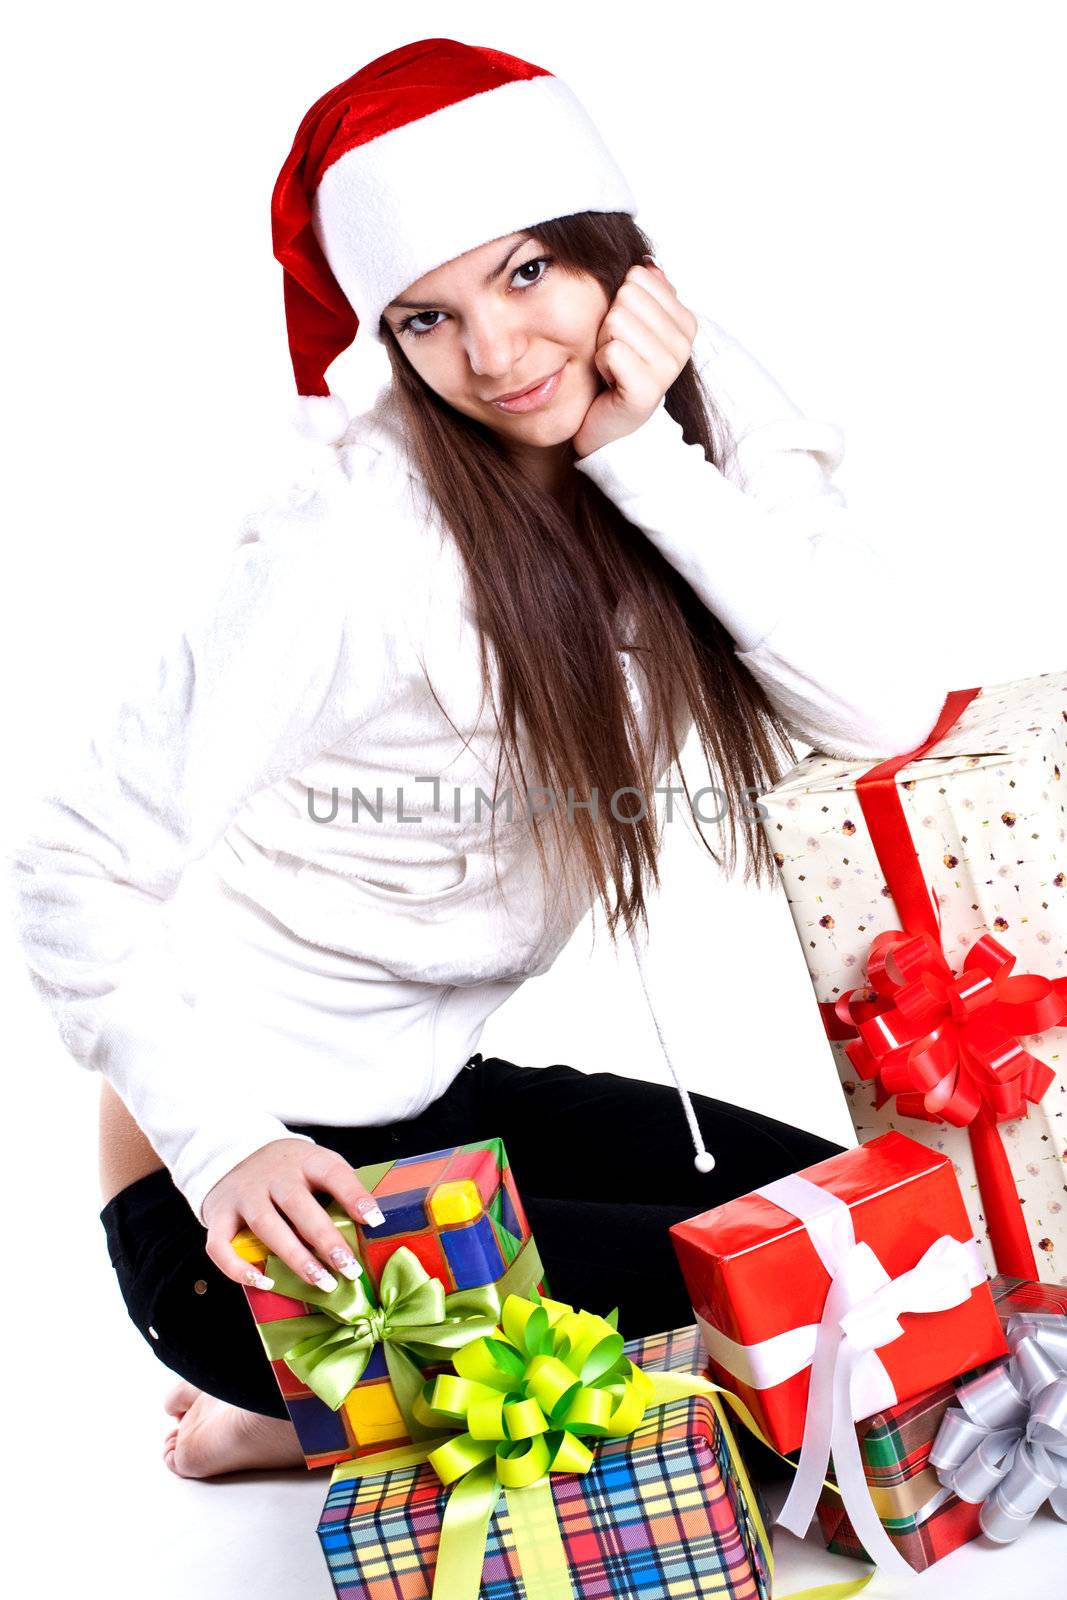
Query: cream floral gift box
931	891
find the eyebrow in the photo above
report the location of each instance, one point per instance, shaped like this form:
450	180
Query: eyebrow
428	305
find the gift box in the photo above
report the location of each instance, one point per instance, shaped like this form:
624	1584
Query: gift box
759	1270
455	1239
829	1294
929	894
669	1510
1003	1445
924	1519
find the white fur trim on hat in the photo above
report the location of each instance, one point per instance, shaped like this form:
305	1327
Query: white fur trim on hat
321	418
393	209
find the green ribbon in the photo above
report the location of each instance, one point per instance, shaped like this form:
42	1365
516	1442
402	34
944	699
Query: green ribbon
529	1400
416	1323
526	1403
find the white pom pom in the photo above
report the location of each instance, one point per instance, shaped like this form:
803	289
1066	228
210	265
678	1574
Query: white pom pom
704	1162
321	418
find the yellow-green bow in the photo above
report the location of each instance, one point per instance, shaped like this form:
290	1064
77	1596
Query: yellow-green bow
529	1398
416	1323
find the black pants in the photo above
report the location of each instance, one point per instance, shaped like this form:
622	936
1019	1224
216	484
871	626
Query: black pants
604	1165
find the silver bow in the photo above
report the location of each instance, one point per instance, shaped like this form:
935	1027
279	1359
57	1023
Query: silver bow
1007	1448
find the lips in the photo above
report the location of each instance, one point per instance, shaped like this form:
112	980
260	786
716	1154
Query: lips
516	394
535	396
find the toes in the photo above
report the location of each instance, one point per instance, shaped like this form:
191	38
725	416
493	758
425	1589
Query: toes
180	1399
195	1442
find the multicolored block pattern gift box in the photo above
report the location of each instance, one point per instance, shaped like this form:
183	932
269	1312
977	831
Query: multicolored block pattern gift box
662	1513
924	1520
460	1214
983	810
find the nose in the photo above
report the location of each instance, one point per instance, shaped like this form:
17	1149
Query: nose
494	344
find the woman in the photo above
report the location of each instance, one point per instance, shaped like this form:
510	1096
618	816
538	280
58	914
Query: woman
544	550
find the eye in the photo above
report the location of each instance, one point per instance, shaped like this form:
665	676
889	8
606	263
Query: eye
538	261
408	324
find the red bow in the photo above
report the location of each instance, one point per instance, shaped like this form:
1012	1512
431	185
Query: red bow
947	1045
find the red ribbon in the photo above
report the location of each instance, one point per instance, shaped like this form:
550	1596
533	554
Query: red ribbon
942	1044
945	1044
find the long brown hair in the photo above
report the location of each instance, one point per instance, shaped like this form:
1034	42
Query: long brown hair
545	588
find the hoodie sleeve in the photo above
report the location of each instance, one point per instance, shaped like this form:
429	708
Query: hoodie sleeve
821	620
280	661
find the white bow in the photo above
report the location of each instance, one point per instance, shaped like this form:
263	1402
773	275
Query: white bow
848	1380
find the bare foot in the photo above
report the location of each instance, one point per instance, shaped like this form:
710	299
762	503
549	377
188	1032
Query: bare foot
212	1437
176	1405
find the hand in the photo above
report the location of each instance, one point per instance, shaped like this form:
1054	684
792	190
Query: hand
644	342
270	1192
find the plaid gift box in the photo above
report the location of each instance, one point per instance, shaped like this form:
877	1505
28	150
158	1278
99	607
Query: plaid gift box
459	1213
664	1512
924	1520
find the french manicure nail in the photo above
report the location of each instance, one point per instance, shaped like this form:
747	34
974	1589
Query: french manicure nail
345	1262
372	1215
319	1277
258	1280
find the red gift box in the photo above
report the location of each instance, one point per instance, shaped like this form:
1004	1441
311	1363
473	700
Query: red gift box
755	1274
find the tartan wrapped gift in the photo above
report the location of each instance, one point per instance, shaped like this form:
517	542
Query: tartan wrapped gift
929	894
669	1510
825	1296
1003	1445
924	1519
455	1242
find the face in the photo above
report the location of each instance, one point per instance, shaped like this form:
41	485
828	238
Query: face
497	320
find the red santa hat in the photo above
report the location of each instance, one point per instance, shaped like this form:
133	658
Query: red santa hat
421	155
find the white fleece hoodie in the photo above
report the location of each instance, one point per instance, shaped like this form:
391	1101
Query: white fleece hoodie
341	972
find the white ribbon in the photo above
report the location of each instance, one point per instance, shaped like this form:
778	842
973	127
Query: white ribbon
848	1379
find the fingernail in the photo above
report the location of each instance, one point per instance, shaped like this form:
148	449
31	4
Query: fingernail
345	1262
319	1277
257	1280
371	1213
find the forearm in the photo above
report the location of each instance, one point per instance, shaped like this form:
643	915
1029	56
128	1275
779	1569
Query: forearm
841	643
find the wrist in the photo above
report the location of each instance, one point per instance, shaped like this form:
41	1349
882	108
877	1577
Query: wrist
656	431
603	442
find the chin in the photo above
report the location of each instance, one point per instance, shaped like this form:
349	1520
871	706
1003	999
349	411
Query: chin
552	426
549	430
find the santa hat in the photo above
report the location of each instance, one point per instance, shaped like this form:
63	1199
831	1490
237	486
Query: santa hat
420	156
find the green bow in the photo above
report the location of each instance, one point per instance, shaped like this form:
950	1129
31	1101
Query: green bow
527	1402
528	1399
416	1323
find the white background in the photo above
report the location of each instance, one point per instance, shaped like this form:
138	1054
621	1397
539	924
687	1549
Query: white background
869	197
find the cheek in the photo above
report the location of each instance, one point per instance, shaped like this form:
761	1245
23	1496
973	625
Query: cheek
585	313
436	367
